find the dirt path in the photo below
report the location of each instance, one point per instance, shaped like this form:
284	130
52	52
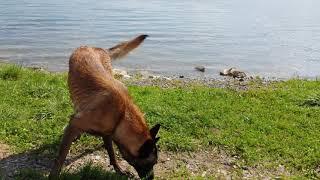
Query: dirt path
206	164
172	164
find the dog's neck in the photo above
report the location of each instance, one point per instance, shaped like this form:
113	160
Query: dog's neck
132	130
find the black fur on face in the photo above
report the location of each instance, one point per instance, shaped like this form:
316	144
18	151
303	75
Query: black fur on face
148	156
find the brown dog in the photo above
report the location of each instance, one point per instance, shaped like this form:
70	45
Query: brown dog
104	107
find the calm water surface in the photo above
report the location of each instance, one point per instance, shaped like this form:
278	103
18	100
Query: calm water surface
263	37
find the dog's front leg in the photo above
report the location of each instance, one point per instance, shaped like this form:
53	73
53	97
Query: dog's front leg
108	145
70	134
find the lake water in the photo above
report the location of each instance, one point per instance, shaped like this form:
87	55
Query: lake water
274	38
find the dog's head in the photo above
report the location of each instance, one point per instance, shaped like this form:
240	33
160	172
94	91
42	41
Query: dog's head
147	155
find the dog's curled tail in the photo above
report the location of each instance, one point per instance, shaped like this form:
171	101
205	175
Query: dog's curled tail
124	48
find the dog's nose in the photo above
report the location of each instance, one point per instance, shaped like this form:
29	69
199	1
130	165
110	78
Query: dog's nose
150	177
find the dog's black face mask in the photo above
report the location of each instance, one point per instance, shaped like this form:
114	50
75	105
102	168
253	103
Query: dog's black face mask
148	156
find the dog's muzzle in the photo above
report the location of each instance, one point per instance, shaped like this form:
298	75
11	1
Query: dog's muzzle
149	175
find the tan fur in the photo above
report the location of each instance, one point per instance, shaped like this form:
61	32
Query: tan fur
102	104
124	48
96	94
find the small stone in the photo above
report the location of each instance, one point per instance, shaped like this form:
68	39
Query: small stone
224	172
203	174
200	68
241	79
245	167
168	159
118	73
97	157
225	72
233	72
126	76
37	68
181	76
281	168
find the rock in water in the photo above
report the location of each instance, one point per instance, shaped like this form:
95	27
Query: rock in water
238	74
200	68
225	72
233	72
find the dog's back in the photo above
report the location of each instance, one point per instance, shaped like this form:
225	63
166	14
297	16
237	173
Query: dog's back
90	73
90	77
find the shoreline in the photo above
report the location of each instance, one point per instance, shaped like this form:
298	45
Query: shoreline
147	78
194	76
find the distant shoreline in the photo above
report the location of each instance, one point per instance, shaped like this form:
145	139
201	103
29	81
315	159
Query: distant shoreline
147	77
144	78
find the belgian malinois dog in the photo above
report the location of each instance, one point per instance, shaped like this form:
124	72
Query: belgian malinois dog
103	107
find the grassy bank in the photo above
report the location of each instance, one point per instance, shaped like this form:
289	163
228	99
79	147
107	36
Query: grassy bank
265	125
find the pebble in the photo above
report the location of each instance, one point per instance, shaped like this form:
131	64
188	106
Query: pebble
97	157
37	68
245	167
233	72
126	76
281	168
200	68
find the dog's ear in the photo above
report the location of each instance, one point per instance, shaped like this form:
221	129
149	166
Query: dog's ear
154	131
146	148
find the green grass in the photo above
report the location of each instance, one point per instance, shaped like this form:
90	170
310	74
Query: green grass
268	125
93	172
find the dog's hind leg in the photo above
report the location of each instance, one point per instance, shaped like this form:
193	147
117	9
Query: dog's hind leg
70	134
